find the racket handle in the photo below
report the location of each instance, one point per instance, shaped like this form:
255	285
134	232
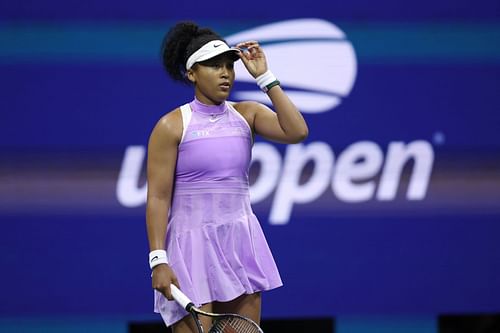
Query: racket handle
180	298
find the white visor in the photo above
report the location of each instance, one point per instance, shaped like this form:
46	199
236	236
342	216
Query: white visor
208	51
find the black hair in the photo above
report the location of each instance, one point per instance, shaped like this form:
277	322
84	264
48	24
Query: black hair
180	42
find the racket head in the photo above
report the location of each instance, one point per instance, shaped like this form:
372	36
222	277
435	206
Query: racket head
233	323
222	323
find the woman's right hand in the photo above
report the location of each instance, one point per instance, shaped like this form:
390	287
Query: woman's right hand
162	277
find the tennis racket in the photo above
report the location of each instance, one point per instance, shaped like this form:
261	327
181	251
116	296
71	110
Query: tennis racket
221	323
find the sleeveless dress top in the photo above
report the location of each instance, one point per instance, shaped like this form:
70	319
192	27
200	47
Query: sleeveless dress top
214	242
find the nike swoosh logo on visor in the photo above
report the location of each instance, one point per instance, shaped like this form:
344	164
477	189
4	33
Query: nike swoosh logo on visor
217	45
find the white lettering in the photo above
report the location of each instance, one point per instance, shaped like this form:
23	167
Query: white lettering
397	156
127	190
289	190
360	161
353	178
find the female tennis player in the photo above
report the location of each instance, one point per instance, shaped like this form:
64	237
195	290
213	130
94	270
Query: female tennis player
203	235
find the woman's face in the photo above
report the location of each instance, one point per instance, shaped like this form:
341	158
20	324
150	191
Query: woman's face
213	79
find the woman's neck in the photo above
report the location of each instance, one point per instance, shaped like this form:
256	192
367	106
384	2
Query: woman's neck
198	106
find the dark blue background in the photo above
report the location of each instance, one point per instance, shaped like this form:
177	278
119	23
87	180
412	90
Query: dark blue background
71	248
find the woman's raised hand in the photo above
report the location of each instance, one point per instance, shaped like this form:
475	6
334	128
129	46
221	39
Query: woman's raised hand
253	57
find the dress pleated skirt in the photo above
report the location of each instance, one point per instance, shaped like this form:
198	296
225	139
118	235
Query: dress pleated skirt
215	246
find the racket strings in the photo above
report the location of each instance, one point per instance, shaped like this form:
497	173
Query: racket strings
234	325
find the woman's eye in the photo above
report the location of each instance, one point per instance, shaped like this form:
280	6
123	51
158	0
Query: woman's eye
219	65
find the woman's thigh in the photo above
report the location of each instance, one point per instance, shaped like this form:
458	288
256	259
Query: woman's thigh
246	305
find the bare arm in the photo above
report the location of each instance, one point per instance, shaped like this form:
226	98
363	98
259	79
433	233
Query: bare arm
286	125
162	157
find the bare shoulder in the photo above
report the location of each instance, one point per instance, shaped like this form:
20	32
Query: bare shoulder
169	126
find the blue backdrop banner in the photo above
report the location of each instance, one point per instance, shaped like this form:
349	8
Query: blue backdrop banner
391	206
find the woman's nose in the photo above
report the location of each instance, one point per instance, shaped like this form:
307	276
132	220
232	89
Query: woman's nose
224	71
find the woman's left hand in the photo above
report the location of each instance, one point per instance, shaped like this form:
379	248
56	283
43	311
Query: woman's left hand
253	57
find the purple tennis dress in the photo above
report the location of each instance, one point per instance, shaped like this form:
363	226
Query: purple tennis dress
215	244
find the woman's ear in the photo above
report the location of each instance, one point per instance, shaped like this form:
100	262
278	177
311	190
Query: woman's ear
190	76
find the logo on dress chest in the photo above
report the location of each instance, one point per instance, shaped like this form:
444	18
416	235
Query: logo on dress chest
200	133
217	132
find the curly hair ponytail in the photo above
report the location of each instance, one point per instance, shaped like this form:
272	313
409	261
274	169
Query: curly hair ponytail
180	42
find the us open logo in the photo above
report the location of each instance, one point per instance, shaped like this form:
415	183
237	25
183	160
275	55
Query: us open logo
312	58
317	66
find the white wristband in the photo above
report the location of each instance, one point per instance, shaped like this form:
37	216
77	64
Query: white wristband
265	79
157	257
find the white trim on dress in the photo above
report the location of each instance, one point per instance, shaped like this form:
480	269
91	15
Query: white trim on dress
186	119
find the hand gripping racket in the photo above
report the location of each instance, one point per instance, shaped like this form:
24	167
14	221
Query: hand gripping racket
221	323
